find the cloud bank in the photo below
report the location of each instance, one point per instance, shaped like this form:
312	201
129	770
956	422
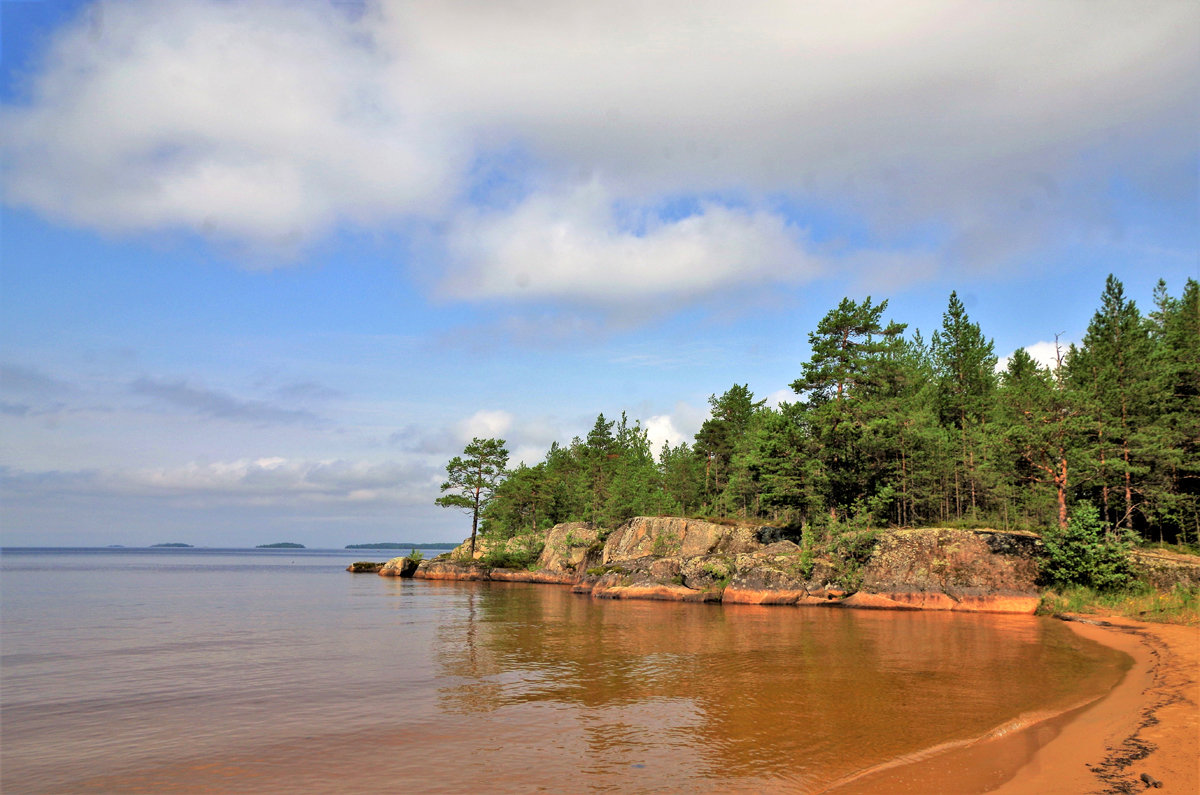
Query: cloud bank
984	129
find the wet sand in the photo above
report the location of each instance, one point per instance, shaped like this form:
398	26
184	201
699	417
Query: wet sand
1148	724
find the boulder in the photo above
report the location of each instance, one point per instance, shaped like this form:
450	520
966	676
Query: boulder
756	583
569	546
364	567
462	552
668	536
399	567
439	569
539	576
706	573
528	545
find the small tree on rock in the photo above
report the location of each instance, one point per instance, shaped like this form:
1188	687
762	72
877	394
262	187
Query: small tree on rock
472	478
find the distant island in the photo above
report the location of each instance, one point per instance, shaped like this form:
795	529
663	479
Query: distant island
281	545
174	544
390	545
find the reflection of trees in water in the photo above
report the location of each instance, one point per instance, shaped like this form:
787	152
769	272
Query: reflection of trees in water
751	691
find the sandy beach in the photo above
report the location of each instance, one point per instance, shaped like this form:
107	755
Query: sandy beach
1149	724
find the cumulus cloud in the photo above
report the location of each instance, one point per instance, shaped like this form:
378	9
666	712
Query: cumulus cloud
786	395
260	122
484	424
1044	353
980	128
573	245
680	425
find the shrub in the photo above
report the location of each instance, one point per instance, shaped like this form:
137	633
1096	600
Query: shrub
1085	552
518	557
416	556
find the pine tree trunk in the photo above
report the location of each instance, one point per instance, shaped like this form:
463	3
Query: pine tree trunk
474	521
1060	483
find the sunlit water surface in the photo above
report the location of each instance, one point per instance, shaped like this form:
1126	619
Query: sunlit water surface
277	671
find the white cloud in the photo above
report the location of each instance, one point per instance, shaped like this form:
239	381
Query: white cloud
680	425
1044	353
786	395
527	454
261	122
484	424
270	123
573	246
660	429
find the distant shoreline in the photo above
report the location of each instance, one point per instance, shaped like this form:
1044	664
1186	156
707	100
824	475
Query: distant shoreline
390	545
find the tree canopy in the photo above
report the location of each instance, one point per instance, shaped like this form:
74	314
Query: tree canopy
889	428
473	477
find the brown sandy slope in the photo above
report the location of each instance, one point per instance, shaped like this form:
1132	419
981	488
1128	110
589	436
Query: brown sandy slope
1149	724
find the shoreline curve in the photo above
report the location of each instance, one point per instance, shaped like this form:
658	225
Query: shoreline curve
1148	724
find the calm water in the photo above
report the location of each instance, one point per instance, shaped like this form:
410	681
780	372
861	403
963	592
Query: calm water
208	670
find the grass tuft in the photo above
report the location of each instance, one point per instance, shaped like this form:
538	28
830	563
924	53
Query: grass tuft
1180	605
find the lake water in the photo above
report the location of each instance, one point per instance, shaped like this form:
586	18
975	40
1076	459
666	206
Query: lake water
197	670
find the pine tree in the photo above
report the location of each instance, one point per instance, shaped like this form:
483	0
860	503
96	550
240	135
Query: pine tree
722	434
854	363
1042	426
473	477
1174	491
965	364
1111	371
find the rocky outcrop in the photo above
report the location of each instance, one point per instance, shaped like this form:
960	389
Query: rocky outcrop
526	546
1164	570
570	547
947	560
399	567
668	536
691	560
447	569
364	567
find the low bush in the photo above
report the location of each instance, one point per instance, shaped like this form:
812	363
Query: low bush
523	557
1087	553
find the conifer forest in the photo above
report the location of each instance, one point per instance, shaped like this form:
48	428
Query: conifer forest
892	428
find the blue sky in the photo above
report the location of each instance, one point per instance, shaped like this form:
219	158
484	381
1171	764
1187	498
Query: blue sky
267	265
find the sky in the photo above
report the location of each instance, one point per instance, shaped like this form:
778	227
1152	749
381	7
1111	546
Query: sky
265	266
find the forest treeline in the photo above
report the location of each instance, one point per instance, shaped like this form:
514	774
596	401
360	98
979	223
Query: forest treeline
890	428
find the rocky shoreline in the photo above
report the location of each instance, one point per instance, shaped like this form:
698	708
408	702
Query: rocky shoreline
691	560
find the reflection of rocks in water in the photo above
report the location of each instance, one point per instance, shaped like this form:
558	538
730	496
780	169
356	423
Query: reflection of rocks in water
754	691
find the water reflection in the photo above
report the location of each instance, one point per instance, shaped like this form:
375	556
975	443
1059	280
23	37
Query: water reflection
755	695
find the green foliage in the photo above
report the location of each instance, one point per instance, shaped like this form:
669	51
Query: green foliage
807	557
891	430
1085	553
849	548
519	556
1180	605
472	479
416	556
